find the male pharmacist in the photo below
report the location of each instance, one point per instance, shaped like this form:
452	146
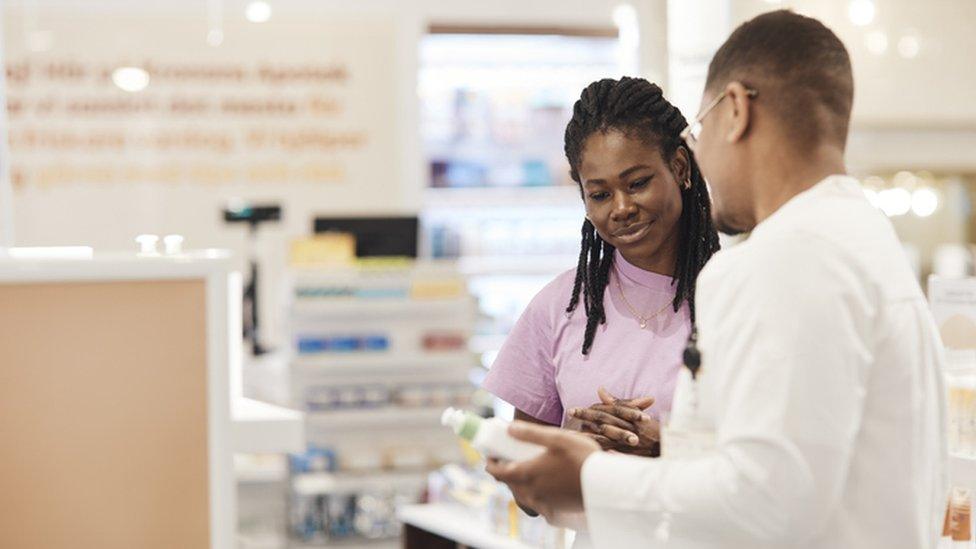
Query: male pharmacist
820	376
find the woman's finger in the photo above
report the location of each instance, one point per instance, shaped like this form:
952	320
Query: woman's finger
620	435
620	411
589	427
605	396
650	429
598	416
641	403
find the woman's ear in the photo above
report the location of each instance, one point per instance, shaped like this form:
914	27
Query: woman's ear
681	167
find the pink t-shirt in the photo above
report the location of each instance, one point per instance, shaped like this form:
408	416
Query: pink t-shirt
541	369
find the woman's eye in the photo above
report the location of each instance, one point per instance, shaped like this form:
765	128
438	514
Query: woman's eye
640	183
602	195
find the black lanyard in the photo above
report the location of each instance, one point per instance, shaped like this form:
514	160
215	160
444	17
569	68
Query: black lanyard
692	356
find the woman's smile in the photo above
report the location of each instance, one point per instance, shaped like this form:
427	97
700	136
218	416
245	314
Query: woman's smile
632	233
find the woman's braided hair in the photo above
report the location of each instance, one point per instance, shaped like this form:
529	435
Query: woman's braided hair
637	108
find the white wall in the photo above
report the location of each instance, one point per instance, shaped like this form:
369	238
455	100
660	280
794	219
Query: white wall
696	29
387	176
909	113
115	30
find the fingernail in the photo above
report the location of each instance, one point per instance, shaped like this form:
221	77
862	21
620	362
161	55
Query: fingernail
632	440
574	411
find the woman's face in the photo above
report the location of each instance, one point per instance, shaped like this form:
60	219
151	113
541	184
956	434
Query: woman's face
633	197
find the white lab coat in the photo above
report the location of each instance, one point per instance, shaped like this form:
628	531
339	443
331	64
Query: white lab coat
821	375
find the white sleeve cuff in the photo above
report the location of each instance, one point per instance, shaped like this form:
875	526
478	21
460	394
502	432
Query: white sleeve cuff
618	481
620	498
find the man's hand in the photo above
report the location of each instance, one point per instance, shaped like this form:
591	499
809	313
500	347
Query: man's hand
550	482
621	425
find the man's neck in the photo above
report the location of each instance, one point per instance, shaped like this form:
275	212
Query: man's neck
786	174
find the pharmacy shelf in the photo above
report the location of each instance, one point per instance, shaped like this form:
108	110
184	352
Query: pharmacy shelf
280	542
380	308
352	543
262	428
454	367
459	201
458	524
346	363
262	541
508	265
374	268
308	484
374	418
962	470
260	469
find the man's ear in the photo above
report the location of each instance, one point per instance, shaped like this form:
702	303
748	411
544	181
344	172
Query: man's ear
739	113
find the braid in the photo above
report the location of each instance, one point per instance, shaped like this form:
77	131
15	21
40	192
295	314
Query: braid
594	271
588	231
638	107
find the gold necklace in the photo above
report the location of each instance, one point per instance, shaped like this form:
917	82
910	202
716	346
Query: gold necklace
642	320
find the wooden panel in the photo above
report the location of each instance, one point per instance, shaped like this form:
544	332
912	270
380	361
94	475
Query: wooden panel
103	416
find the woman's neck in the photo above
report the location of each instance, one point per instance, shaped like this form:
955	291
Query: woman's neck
662	262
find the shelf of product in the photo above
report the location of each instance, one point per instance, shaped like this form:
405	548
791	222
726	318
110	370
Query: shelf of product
382	394
260	468
517	265
355	307
378	351
374	418
478	198
368	281
469	507
952	306
311	484
345	341
329	505
275	541
960	379
957	527
496	119
380	361
352	517
456	523
354	543
514	238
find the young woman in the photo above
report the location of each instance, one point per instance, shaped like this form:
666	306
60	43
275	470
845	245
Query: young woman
621	320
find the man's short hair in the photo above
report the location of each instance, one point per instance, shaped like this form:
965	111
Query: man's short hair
800	68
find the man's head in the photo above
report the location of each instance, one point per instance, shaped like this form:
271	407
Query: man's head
781	87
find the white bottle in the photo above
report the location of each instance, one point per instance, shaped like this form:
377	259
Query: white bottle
489	436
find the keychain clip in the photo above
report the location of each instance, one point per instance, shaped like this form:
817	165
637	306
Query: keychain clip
692	356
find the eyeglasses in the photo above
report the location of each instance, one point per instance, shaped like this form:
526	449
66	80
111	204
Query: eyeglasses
691	134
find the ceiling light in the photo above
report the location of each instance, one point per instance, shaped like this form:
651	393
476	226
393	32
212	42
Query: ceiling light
258	12
130	79
861	12
876	42
909	45
894	202
925	201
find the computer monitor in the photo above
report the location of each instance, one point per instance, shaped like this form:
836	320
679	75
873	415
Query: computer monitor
376	236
